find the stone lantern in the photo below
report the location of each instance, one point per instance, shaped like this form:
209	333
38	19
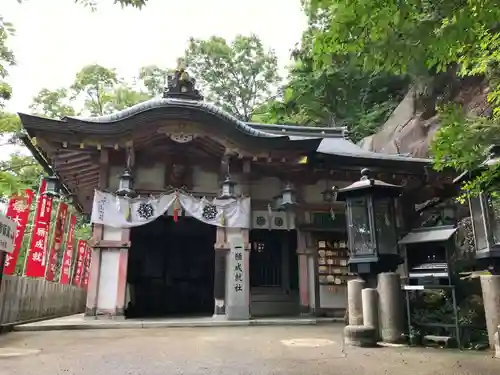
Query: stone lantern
371	225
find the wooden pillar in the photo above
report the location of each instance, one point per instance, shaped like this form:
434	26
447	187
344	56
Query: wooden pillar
221	251
97	236
304	255
121	292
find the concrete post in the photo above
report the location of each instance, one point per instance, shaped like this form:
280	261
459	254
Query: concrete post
354	301
391	316
490	285
369	297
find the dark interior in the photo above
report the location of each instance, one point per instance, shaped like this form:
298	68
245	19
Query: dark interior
266	259
171	268
429	252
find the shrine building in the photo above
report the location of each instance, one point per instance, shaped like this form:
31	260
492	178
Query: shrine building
195	212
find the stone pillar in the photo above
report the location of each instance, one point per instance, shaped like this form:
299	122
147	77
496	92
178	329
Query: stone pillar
238	278
391	316
490	285
220	282
354	301
369	297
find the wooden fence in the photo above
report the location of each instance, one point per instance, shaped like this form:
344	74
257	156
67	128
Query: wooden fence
23	299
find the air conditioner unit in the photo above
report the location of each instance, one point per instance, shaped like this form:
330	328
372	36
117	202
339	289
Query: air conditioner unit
260	220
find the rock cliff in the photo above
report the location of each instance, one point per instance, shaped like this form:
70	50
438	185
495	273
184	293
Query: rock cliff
410	129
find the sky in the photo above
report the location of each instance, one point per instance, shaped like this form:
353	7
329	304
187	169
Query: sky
56	38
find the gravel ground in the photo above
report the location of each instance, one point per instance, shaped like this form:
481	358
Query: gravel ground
300	350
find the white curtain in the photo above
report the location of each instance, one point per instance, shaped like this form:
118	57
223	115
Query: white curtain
119	212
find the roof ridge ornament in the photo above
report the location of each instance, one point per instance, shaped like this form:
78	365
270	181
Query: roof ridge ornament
181	85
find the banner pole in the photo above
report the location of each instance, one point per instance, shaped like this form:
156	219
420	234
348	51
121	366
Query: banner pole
51	239
32	227
65	239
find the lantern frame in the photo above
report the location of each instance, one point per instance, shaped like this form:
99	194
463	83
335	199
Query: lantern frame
52	186
485	227
126	184
372	238
485	222
287	199
227	189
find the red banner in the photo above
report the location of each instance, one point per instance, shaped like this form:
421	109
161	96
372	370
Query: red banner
60	226
19	211
68	253
82	250
37	255
86	273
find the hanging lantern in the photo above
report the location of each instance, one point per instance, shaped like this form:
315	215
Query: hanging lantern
330	194
125	186
228	189
288	199
52	185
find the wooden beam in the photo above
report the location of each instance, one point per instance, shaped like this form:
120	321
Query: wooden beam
103	169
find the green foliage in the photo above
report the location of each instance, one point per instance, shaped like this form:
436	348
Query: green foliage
154	79
238	77
52	104
435	43
6	59
337	94
95	83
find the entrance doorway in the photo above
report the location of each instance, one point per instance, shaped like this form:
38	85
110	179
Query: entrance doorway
171	268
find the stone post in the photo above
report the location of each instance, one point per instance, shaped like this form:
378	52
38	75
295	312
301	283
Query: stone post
490	285
391	316
369	297
220	282
354	301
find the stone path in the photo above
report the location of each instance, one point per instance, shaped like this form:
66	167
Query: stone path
292	350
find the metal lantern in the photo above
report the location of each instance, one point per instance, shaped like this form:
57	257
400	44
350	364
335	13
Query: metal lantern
228	191
371	224
329	194
52	185
125	186
485	212
288	198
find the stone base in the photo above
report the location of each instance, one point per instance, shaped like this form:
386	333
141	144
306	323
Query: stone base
362	336
90	311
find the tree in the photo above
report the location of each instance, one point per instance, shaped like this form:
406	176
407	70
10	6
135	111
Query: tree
338	94
238	77
437	44
154	79
53	104
95	83
6	59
